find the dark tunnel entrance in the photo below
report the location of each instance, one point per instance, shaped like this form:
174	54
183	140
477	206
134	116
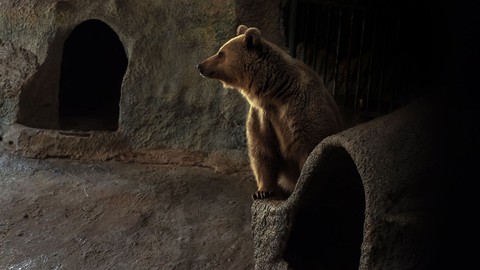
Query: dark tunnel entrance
93	65
327	231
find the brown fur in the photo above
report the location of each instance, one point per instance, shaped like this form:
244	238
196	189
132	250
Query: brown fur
291	110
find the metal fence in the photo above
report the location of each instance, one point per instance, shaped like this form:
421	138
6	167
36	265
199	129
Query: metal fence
359	50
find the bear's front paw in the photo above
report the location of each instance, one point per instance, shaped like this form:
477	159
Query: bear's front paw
262	195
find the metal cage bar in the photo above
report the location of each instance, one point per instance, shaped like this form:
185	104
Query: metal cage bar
354	49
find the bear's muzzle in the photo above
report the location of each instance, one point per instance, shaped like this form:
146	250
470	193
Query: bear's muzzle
201	69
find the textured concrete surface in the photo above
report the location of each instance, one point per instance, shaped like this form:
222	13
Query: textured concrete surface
164	104
382	195
419	208
61	214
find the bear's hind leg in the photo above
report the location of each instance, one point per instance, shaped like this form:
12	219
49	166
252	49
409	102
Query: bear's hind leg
288	178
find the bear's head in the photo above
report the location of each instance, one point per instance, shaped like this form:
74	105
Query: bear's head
232	62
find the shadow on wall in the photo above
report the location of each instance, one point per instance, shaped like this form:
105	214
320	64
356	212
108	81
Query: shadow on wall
86	91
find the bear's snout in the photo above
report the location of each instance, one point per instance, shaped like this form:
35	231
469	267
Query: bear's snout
200	69
204	70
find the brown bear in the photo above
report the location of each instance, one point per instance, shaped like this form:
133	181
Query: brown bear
291	110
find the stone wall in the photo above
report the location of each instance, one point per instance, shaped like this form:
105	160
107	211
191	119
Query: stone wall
391	193
164	102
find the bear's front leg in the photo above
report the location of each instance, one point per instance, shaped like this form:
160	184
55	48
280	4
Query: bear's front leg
265	169
263	153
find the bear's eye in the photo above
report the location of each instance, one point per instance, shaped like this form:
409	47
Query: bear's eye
221	54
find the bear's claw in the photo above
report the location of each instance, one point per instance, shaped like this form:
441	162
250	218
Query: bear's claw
262	195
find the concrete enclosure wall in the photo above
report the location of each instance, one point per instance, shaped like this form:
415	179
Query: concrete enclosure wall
370	197
161	102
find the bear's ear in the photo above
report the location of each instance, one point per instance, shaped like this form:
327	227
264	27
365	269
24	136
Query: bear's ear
241	29
252	37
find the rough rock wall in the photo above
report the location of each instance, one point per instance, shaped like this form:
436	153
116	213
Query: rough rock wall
164	103
377	196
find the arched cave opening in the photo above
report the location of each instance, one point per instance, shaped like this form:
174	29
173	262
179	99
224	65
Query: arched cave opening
327	231
93	65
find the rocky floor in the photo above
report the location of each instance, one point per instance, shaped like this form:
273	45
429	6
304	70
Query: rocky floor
64	214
